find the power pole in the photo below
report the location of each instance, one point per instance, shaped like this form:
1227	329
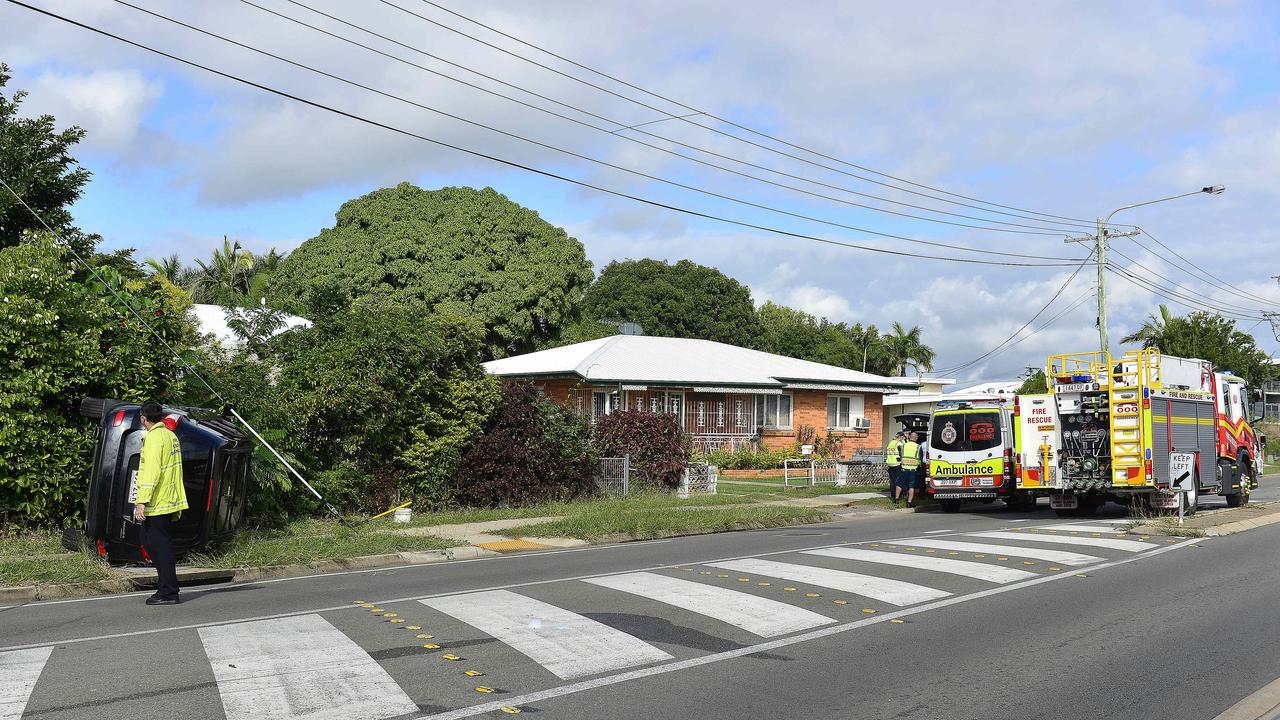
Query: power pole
1100	257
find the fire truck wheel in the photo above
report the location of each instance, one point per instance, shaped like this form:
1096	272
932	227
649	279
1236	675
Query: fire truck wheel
1226	475
949	506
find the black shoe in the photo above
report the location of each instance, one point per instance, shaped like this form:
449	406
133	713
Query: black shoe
157	600
911	504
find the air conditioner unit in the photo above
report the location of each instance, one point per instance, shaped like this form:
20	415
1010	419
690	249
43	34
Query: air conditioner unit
861	423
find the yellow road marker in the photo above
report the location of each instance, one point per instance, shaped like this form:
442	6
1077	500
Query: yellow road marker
840	602
1002	558
813	594
483	689
472	673
1173	540
388	614
431	646
395	620
425	636
358	602
412	627
723	576
979	556
450	657
704	572
508	709
896	621
908	548
1055	568
931	551
376	610
868	610
763	584
744	579
1081	575
1027	562
953	552
875	545
789	589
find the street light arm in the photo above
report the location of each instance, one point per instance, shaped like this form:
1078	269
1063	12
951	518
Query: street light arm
1211	189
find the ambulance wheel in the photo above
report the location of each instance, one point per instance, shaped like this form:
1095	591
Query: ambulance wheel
949	506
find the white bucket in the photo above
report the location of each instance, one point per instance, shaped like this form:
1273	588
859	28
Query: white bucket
403	515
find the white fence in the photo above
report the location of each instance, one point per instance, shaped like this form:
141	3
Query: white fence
613	477
863	469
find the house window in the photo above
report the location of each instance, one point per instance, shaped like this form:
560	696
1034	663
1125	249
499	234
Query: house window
675	404
599	405
842	410
773	411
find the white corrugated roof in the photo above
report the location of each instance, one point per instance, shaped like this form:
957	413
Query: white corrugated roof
212	320
681	361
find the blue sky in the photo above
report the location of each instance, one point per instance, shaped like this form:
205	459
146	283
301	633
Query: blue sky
1063	108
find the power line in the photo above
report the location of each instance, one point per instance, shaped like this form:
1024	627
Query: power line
1180	289
696	112
545	173
1183	300
1061	289
674	116
1209	277
1030	229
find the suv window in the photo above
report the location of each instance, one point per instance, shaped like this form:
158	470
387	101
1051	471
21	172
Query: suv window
965	432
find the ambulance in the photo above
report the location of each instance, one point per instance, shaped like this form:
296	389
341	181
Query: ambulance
971	449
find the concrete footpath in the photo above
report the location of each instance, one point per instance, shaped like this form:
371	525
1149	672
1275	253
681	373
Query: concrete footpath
1216	523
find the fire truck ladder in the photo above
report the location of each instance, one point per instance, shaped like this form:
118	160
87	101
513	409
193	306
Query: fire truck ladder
1132	380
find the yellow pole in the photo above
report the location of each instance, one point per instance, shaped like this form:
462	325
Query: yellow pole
375	517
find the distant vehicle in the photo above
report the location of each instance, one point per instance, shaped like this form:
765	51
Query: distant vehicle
215	474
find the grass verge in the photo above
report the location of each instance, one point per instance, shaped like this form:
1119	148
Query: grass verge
59	569
643	523
309	541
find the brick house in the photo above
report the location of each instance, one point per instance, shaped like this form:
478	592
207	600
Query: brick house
725	396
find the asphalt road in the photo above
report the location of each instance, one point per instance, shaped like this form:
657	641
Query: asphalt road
1161	629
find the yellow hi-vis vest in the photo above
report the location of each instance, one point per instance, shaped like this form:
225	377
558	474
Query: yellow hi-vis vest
910	455
893	453
160	473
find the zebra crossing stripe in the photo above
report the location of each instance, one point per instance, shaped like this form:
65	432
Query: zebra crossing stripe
1080	528
565	643
1110	543
1058	556
298	667
894	592
19	671
755	614
981	571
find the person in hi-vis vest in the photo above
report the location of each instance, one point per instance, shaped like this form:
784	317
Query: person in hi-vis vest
893	461
912	457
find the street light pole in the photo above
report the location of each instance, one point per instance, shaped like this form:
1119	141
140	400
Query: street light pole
1100	251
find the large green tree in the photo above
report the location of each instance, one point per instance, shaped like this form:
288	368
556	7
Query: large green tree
681	300
1206	336
473	251
35	161
383	397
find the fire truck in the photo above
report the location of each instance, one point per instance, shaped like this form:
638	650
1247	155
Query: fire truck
1144	429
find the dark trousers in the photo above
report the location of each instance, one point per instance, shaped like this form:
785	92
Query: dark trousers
893	476
155	538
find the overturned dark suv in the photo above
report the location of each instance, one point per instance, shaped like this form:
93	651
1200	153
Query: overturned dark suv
215	473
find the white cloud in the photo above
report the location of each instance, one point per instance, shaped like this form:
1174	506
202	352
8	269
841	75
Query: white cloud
109	104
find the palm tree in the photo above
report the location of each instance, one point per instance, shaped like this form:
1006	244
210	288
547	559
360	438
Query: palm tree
166	268
1155	329
226	278
905	349
864	338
